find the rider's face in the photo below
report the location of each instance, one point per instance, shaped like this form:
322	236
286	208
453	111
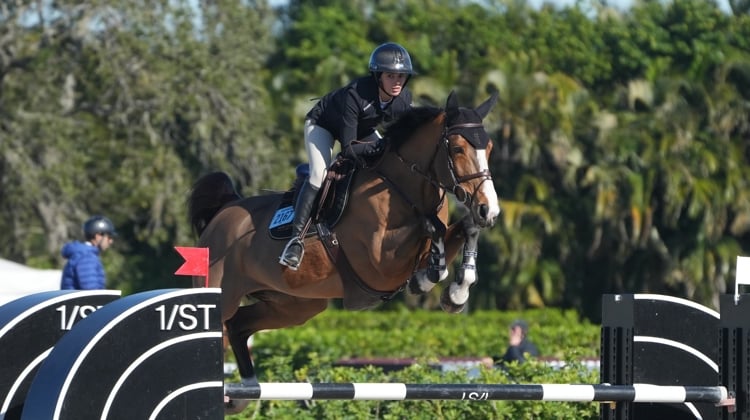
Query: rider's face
393	82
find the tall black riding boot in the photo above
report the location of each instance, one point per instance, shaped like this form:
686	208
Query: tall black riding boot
295	248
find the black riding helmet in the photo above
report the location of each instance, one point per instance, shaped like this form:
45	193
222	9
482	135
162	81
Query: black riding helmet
392	58
98	224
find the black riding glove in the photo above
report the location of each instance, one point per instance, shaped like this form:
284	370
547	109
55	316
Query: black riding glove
371	145
375	148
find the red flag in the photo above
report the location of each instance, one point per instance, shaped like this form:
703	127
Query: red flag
196	262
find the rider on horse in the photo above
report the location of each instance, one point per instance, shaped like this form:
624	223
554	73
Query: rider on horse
350	114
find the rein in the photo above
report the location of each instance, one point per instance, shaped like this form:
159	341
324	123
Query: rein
457	189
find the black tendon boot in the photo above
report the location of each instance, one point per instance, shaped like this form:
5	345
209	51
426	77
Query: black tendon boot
295	248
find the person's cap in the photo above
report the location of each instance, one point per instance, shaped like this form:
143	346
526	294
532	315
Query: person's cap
520	323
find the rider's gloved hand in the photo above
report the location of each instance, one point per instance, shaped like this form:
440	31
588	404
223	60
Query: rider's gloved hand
375	148
371	145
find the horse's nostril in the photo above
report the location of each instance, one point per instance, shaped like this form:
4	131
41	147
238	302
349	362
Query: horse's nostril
484	211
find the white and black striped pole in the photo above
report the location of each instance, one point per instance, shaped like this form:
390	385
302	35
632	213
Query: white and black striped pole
477	392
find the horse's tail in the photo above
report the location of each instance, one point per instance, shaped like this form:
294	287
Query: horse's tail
209	194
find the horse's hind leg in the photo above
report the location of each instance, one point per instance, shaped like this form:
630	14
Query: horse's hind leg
238	336
272	311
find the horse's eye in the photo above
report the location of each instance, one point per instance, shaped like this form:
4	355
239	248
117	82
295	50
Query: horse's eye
457	150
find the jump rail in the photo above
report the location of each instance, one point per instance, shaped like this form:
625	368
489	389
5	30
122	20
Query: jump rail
480	392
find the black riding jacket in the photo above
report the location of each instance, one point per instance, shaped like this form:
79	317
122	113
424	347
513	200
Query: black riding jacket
353	112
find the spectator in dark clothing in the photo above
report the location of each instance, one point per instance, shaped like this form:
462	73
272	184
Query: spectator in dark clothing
519	346
84	269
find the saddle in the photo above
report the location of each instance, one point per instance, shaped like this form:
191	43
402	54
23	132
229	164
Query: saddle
331	204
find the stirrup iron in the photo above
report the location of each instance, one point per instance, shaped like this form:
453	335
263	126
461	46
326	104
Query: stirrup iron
284	258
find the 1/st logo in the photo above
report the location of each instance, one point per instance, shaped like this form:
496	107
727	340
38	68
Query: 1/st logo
67	319
187	317
476	396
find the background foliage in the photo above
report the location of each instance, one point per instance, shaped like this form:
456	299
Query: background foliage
399	332
621	135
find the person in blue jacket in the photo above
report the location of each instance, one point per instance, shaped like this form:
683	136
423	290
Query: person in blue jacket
84	269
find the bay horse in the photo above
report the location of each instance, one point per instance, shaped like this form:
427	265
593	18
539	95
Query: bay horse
392	231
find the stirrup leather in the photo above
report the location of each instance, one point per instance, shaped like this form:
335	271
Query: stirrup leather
285	259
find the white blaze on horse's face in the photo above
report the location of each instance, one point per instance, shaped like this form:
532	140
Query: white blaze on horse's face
488	190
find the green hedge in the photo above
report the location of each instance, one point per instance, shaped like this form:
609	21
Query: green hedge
307	353
337	334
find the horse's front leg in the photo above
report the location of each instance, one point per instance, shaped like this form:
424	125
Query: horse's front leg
456	295
423	280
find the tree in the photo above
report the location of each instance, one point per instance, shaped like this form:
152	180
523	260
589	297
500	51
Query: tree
109	99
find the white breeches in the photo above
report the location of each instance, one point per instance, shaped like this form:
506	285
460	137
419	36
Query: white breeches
319	145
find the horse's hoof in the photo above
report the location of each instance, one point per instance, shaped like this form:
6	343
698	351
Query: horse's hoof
234	406
419	284
414	287
448	306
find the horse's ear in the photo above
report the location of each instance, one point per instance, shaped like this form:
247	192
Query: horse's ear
452	103
485	108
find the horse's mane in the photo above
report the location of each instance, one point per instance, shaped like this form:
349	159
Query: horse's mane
408	123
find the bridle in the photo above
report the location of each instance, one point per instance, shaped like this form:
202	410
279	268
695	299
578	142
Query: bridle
458	190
